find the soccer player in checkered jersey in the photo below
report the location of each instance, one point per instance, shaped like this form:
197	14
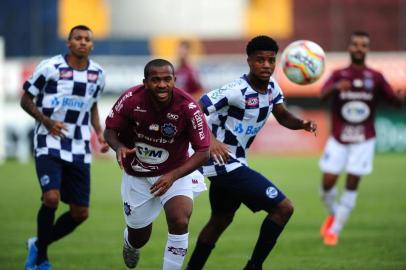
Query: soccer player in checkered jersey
354	92
150	127
236	112
61	95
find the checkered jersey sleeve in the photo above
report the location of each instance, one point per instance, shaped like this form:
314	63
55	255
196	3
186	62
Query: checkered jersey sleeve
277	94
220	99
35	84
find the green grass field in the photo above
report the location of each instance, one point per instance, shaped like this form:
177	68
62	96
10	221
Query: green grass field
374	238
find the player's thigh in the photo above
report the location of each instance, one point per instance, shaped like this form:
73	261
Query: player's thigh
256	191
334	158
223	201
360	161
140	207
49	172
75	187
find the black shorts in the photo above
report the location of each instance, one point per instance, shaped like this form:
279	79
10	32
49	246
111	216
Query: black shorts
71	179
242	185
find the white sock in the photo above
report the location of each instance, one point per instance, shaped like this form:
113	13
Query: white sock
126	237
175	251
329	199
347	203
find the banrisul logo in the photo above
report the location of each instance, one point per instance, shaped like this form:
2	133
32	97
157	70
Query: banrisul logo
150	154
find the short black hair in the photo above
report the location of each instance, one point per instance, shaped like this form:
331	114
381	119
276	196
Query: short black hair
157	63
360	33
78	27
261	43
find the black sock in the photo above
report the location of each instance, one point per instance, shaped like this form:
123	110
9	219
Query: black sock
64	225
268	235
45	221
199	256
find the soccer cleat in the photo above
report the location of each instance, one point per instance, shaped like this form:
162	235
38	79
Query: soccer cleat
330	239
131	255
45	265
326	225
32	254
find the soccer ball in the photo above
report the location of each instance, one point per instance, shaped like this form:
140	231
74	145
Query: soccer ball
303	62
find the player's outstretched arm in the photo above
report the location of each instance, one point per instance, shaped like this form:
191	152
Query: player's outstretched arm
288	120
55	128
162	185
95	120
121	150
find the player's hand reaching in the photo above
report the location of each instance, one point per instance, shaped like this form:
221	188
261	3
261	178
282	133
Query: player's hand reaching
162	185
343	85
219	152
121	153
104	147
55	128
310	126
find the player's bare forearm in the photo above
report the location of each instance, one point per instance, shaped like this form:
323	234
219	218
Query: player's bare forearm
111	138
287	119
95	118
198	159
27	103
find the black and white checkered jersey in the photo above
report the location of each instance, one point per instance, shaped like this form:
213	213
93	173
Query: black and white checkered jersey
235	114
65	94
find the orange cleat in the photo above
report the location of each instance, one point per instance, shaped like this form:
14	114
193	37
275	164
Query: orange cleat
326	225
330	239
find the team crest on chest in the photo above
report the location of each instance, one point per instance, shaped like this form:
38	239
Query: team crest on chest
168	130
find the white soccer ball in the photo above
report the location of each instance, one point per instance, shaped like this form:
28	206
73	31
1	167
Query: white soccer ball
303	62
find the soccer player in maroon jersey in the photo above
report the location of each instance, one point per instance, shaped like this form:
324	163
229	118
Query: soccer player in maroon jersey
150	128
354	92
186	75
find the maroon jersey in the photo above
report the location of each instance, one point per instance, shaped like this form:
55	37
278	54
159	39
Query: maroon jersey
353	110
161	138
187	79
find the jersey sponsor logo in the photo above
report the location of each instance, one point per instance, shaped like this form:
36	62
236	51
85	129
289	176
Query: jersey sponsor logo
252	101
172	116
44	180
150	154
355	111
216	93
357	83
178	251
119	104
92	76
127	209
154	127
250	130
111	114
353	134
68	102
66	74
168	130
356	95
197	116
271	192
138	109
154	140
192	106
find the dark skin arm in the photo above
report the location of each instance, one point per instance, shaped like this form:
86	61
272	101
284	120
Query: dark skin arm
166	180
288	120
55	128
95	120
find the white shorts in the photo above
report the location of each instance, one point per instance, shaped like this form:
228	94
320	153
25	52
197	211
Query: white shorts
141	208
354	158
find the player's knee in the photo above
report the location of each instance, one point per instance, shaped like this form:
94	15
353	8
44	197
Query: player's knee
178	225
80	215
51	199
284	210
222	221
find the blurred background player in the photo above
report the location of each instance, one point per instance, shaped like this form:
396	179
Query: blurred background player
236	113
150	128
355	92
61	95
187	77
